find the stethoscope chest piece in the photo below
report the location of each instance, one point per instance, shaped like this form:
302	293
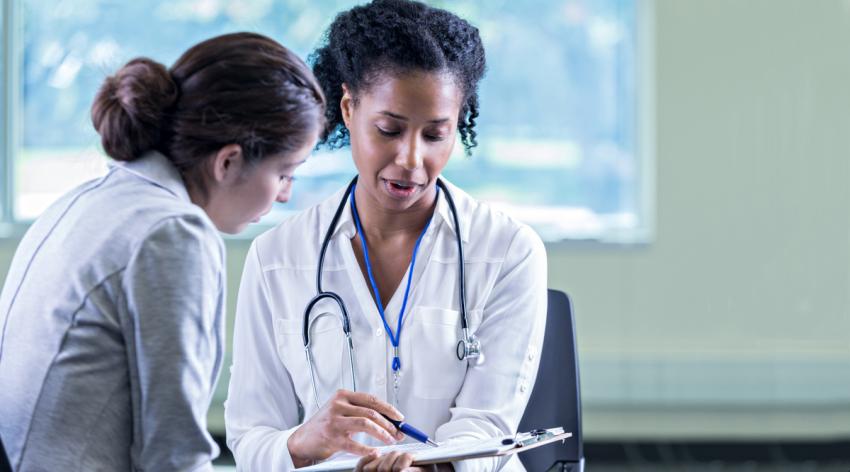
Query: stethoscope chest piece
469	348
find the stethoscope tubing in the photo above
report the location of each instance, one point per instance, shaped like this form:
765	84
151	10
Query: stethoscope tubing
462	277
464	350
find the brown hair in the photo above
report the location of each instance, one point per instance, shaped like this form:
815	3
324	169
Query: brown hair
240	88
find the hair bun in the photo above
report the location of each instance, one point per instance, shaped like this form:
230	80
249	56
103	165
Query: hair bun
131	107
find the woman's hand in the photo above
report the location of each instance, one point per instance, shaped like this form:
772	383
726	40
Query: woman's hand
397	462
331	428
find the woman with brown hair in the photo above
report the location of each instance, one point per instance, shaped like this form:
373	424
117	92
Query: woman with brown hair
112	313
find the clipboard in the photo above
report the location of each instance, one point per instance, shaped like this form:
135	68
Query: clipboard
452	451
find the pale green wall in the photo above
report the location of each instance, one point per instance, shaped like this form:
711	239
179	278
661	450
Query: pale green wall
738	310
734	321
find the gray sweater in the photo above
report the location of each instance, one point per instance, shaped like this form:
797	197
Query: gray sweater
111	328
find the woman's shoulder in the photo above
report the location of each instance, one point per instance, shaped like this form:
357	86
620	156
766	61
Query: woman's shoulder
177	232
490	227
106	223
163	216
140	196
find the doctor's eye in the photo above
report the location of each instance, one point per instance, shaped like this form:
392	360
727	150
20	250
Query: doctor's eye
287	178
386	132
435	137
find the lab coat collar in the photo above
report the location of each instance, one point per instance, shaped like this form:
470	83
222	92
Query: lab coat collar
463	203
154	167
345	225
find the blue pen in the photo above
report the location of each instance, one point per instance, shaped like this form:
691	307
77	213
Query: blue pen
411	431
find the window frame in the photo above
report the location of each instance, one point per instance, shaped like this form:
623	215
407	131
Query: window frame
10	100
645	119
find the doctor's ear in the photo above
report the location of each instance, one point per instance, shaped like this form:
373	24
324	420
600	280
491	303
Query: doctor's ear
227	164
346	105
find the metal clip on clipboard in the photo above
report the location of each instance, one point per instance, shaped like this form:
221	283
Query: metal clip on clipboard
533	437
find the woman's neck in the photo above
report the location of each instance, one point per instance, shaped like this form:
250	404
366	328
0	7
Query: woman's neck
381	224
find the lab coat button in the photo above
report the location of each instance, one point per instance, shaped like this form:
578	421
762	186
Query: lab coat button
378	333
380	381
523	387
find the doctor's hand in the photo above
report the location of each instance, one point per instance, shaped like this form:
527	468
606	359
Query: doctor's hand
397	462
331	428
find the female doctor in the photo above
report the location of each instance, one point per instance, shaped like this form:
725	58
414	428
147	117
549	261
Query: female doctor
401	81
111	317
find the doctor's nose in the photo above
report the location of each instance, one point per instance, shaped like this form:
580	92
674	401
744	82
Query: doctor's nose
410	157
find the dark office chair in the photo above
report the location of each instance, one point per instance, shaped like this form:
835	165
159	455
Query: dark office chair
556	398
4	461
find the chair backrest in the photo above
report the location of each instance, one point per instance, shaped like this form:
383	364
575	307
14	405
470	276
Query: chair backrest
4	461
556	398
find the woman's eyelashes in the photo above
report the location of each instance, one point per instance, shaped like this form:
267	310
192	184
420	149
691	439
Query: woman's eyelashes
435	136
388	132
392	133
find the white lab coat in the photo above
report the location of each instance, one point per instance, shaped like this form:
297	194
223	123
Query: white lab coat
270	392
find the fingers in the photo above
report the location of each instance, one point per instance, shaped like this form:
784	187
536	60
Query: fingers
332	427
372	402
392	462
354	447
350	425
365	461
402	462
363	405
386	462
370	414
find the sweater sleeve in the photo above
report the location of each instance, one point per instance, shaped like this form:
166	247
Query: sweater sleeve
174	285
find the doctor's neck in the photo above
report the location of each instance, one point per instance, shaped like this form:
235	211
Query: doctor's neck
382	222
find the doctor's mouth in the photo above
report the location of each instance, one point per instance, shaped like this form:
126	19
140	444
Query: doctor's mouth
401	189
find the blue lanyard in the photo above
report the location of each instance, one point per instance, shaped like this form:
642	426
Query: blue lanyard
394	339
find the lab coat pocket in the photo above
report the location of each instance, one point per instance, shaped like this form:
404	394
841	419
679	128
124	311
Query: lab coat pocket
326	347
433	370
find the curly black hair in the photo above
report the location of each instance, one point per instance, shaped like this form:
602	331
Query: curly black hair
394	36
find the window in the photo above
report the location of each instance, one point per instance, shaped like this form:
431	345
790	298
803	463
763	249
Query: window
557	131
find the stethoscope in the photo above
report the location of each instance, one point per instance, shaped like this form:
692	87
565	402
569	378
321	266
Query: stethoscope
469	347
